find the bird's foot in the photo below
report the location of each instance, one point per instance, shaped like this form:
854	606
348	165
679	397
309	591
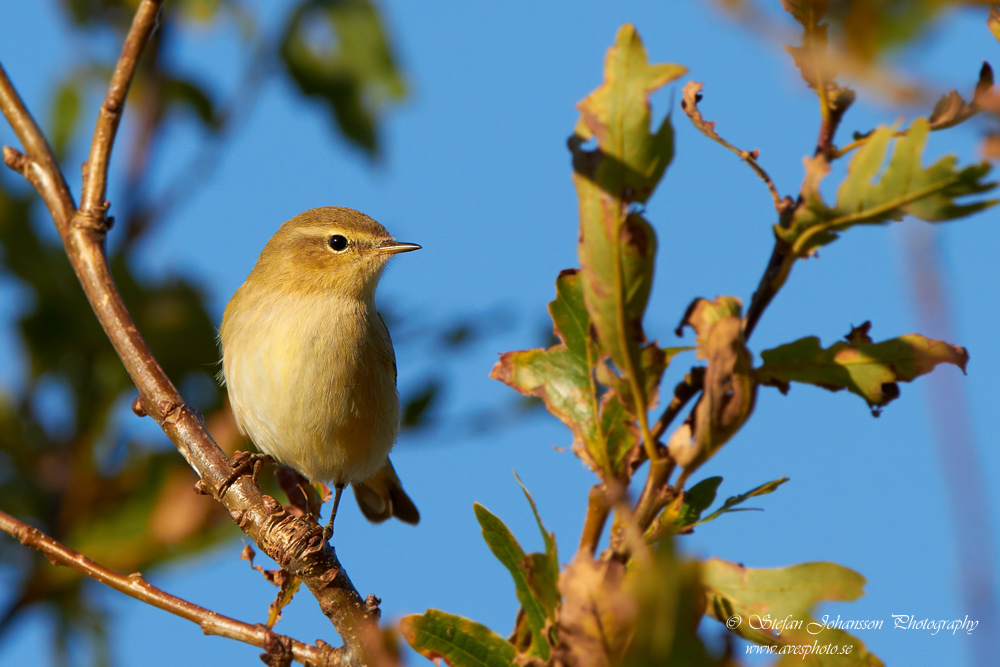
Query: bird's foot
244	463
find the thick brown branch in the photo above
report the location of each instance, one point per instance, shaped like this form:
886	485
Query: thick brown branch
136	586
95	173
294	543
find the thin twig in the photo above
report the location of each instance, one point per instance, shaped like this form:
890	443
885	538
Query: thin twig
691	97
782	257
134	585
95	177
296	544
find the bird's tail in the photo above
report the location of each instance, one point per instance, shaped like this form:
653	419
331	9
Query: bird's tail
382	496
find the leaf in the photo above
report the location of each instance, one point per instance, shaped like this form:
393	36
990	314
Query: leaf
905	188
730	388
629	160
748	601
733	501
186	94
337	50
418	407
507	550
562	376
696	500
543	573
617	245
951	109
870	370
806	12
993	22
670	605
597	615
456	640
65	118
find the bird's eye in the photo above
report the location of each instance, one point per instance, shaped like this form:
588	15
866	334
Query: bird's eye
338	242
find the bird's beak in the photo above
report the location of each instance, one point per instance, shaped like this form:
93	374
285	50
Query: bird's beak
395	247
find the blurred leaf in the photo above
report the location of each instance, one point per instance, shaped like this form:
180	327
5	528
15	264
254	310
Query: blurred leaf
904	188
806	12
417	406
781	594
670	603
617	245
336	50
507	550
456	640
870	28
730	388
733	501
187	94
597	617
562	376
993	22
870	370
65	115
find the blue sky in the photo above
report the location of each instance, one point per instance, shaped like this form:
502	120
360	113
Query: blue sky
476	170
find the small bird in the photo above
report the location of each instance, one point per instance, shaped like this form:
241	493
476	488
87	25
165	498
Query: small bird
308	362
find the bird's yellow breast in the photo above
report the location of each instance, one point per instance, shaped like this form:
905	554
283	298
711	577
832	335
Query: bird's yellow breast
311	380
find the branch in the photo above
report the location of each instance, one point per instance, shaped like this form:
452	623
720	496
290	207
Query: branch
689	103
296	544
134	585
38	165
95	172
598	508
782	257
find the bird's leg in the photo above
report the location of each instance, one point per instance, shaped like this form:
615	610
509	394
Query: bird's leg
241	464
338	489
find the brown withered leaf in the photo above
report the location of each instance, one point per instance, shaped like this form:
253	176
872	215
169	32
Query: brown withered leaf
952	109
287	583
730	384
597	616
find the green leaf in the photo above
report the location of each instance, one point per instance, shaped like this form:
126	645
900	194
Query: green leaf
66	108
187	94
670	605
870	370
617	245
543	570
905	188
748	600
562	376
697	499
349	66
456	640
507	550
733	501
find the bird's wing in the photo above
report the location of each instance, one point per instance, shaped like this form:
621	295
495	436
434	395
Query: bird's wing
392	352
